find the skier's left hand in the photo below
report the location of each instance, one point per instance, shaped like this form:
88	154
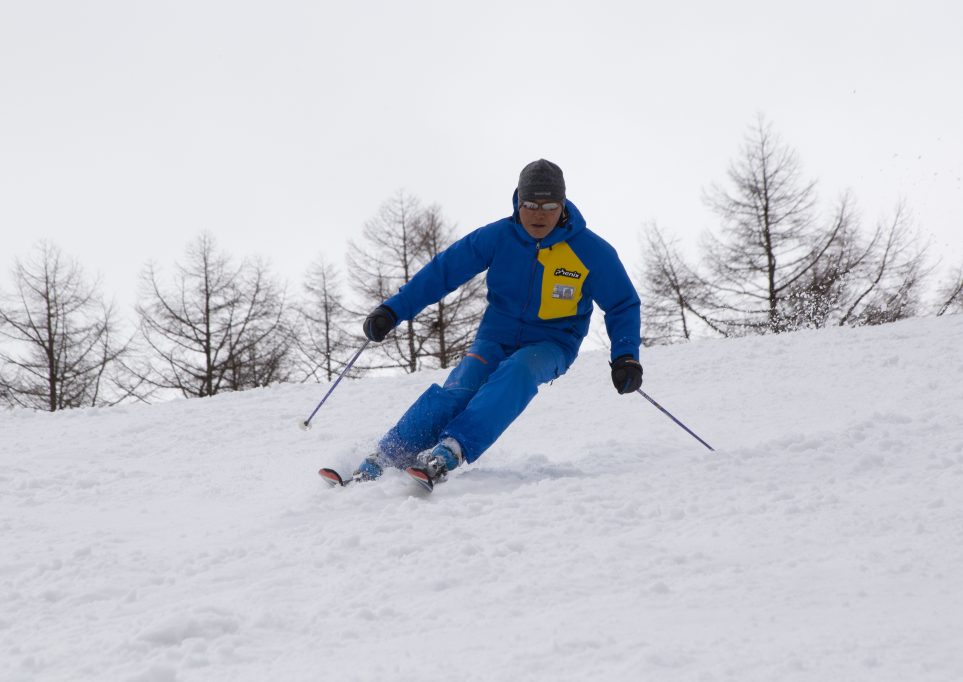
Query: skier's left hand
626	374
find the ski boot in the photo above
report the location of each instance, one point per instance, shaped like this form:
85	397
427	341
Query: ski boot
370	469
433	466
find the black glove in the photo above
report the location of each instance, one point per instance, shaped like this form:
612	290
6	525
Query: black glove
626	374
381	321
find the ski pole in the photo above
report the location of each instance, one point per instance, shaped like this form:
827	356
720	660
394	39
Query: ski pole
306	424
669	415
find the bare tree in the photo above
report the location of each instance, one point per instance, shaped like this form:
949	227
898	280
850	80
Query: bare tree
951	294
398	242
447	329
62	349
778	267
322	340
771	238
673	295
882	283
388	258
818	298
217	327
260	352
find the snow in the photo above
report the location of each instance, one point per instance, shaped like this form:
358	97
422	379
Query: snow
193	540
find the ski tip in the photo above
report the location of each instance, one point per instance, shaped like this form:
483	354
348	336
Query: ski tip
331	477
422	477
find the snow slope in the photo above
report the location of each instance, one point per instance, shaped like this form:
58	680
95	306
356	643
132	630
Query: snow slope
193	540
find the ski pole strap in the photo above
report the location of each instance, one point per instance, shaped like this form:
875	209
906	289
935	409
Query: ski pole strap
307	422
669	415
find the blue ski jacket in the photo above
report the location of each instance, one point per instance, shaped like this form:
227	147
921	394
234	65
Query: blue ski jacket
537	290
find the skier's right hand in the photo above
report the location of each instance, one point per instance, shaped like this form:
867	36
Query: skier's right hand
626	374
381	321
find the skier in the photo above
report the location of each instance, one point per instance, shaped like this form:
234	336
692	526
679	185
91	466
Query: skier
545	268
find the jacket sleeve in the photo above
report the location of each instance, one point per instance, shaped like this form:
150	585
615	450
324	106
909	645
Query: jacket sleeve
614	292
446	272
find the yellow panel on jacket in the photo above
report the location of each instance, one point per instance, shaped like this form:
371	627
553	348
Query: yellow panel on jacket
562	281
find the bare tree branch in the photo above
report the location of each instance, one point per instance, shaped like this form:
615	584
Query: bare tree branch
951	294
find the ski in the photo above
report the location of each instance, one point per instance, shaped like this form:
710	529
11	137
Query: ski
422	477
333	478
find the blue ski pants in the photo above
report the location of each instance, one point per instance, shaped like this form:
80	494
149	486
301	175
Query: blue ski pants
481	397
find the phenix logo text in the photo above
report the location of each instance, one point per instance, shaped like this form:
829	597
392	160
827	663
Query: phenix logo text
562	272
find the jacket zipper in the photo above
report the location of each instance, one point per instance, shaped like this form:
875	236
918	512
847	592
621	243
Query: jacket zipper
531	281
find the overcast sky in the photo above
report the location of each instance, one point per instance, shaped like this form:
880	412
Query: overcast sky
128	127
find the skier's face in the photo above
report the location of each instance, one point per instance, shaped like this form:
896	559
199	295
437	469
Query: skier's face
538	222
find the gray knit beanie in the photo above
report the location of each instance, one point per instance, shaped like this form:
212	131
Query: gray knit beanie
541	181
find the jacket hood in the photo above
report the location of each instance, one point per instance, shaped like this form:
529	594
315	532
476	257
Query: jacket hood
571	226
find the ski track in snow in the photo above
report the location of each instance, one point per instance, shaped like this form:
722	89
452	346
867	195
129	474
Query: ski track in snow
192	540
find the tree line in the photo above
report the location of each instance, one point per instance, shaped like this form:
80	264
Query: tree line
212	324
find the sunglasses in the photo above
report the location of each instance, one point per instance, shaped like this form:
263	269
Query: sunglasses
534	206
